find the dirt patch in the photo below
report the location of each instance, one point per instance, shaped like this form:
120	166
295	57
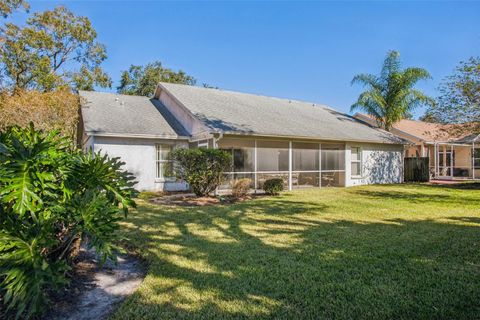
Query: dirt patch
95	292
191	200
186	200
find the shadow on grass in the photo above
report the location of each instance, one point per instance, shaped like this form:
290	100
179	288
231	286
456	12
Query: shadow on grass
422	193
466	219
280	258
461	186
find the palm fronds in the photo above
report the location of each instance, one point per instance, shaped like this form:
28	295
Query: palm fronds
391	96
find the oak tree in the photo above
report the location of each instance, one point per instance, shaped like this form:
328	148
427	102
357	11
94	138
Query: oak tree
143	80
54	49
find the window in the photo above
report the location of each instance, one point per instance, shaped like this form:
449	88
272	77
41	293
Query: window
202	144
163	164
243	153
243	160
356	162
448	157
476	158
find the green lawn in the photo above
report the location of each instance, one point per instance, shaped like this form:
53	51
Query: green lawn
378	252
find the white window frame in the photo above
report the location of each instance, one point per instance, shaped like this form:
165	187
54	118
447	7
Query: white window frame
475	158
159	162
202	143
360	161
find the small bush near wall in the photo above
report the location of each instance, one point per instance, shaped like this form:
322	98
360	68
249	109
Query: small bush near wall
240	187
273	186
202	168
52	197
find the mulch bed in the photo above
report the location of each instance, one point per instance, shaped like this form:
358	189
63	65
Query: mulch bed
82	278
191	200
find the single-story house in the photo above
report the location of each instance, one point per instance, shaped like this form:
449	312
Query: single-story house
305	144
453	150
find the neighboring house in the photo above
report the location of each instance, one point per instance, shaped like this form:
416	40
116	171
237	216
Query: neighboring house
305	144
454	153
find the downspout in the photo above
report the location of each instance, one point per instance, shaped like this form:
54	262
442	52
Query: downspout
452	158
255	166
215	146
473	156
290	166
215	140
473	159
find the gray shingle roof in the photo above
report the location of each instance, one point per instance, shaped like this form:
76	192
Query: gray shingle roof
109	113
241	113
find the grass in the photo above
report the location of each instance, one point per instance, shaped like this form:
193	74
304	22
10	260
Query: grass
373	252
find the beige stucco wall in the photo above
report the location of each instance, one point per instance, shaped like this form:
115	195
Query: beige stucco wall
413	151
463	157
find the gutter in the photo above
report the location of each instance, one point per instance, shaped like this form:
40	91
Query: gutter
136	135
441	143
405	142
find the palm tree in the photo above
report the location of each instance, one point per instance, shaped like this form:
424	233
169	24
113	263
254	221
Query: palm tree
390	97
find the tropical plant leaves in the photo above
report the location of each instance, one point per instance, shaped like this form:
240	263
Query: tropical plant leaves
50	196
390	97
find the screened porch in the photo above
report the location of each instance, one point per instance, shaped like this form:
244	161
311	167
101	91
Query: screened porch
298	164
454	161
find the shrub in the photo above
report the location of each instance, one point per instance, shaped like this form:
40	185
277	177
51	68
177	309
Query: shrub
240	187
273	186
46	110
52	197
202	168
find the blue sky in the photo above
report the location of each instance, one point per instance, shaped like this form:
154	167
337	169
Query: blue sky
300	50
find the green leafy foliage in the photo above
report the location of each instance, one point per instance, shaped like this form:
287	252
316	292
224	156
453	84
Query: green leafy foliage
143	80
273	186
54	49
202	168
8	6
52	196
391	97
459	99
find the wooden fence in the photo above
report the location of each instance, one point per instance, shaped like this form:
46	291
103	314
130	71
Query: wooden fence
416	169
